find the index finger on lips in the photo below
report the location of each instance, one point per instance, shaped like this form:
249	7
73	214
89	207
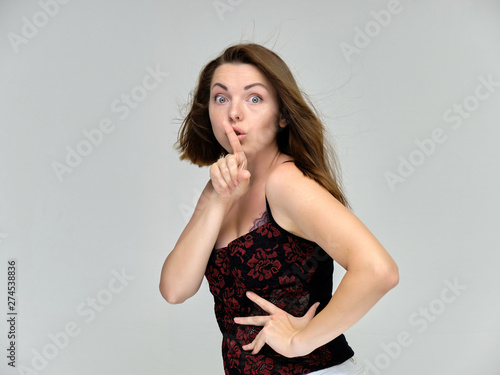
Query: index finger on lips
233	139
253	320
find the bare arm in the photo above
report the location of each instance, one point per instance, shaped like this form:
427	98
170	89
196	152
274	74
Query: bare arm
304	208
183	270
185	266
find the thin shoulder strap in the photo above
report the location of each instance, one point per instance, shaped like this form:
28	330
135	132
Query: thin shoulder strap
268	208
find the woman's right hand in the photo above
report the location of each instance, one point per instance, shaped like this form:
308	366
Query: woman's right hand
229	176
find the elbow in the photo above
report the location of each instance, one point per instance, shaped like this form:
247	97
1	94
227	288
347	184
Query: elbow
388	276
171	296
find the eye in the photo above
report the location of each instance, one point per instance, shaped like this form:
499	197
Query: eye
220	99
255	99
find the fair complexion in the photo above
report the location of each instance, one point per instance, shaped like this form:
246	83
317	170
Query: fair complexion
242	96
303	207
242	100
244	114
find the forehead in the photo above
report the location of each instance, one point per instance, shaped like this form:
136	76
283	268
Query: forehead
237	76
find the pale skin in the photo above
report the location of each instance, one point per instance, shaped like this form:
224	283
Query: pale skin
244	114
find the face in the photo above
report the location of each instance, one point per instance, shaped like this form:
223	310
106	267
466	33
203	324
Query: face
243	96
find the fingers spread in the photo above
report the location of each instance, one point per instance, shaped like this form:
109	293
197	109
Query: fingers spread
253	320
265	304
256	344
259	343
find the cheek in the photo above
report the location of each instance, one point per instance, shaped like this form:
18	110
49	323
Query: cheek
214	122
269	134
269	130
219	132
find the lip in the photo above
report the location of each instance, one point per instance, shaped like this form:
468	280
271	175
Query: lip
238	131
241	137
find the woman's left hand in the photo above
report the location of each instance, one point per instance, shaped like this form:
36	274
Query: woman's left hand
279	327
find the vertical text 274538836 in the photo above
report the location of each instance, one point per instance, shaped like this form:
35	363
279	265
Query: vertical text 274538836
11	313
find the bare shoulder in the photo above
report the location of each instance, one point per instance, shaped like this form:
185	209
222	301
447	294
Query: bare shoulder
288	185
284	177
295	199
305	208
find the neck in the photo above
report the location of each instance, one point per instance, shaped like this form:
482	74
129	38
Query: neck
261	164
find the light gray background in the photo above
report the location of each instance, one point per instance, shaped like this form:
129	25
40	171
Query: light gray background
123	207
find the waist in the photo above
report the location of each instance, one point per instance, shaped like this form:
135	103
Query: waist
268	362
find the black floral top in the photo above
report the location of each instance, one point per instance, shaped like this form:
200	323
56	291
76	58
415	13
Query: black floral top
289	271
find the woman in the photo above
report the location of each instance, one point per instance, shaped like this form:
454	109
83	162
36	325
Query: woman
269	222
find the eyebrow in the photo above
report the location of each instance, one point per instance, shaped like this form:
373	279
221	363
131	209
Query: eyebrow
248	87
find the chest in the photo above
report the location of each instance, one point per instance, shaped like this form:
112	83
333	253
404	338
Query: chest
245	216
264	256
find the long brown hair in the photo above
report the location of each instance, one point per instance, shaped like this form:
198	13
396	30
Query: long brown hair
303	137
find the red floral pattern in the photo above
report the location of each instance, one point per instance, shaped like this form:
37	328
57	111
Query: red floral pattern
284	269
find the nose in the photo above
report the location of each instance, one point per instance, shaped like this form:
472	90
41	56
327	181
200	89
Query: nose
235	112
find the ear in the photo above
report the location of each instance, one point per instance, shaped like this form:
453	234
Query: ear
284	117
283	122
